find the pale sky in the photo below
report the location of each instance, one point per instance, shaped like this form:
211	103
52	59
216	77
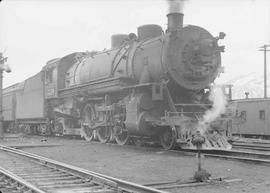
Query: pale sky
33	32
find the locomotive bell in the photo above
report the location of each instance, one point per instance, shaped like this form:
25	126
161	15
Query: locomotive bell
118	39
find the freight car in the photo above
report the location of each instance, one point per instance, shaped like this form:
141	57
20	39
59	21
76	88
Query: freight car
251	117
149	86
24	105
9	106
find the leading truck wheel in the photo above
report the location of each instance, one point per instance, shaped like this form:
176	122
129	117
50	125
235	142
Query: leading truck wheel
104	134
121	135
87	120
167	139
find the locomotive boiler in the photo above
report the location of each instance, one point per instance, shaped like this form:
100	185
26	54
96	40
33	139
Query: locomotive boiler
150	86
188	56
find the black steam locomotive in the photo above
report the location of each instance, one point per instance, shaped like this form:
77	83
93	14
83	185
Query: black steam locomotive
150	86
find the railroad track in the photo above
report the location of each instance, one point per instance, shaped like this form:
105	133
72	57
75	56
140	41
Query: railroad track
252	157
27	172
12	183
239	155
252	146
34	173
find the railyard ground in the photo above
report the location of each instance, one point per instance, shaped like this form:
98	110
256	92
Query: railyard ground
147	165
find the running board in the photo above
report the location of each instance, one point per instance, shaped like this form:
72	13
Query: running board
72	131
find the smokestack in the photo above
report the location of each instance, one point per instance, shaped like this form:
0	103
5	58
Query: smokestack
175	16
175	21
246	93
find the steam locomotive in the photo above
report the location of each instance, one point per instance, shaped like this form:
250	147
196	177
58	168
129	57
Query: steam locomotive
150	86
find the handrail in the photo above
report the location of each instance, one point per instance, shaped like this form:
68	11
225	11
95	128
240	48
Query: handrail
186	104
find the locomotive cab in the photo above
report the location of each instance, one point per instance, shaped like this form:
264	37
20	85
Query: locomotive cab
50	78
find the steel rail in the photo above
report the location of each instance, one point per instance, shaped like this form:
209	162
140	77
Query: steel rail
235	155
257	142
214	153
56	163
244	154
20	181
229	157
258	148
122	184
261	147
232	155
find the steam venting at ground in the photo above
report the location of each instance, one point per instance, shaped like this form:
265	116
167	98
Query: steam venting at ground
176	6
219	106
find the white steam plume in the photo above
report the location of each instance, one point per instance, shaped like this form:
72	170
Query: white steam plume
219	106
176	6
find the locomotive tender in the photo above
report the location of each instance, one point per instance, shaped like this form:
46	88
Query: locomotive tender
149	86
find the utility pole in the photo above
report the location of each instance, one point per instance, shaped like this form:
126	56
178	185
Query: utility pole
264	49
3	68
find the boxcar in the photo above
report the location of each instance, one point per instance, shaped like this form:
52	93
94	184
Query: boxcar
251	117
9	106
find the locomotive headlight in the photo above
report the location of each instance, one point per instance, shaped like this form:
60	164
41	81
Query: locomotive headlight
221	48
